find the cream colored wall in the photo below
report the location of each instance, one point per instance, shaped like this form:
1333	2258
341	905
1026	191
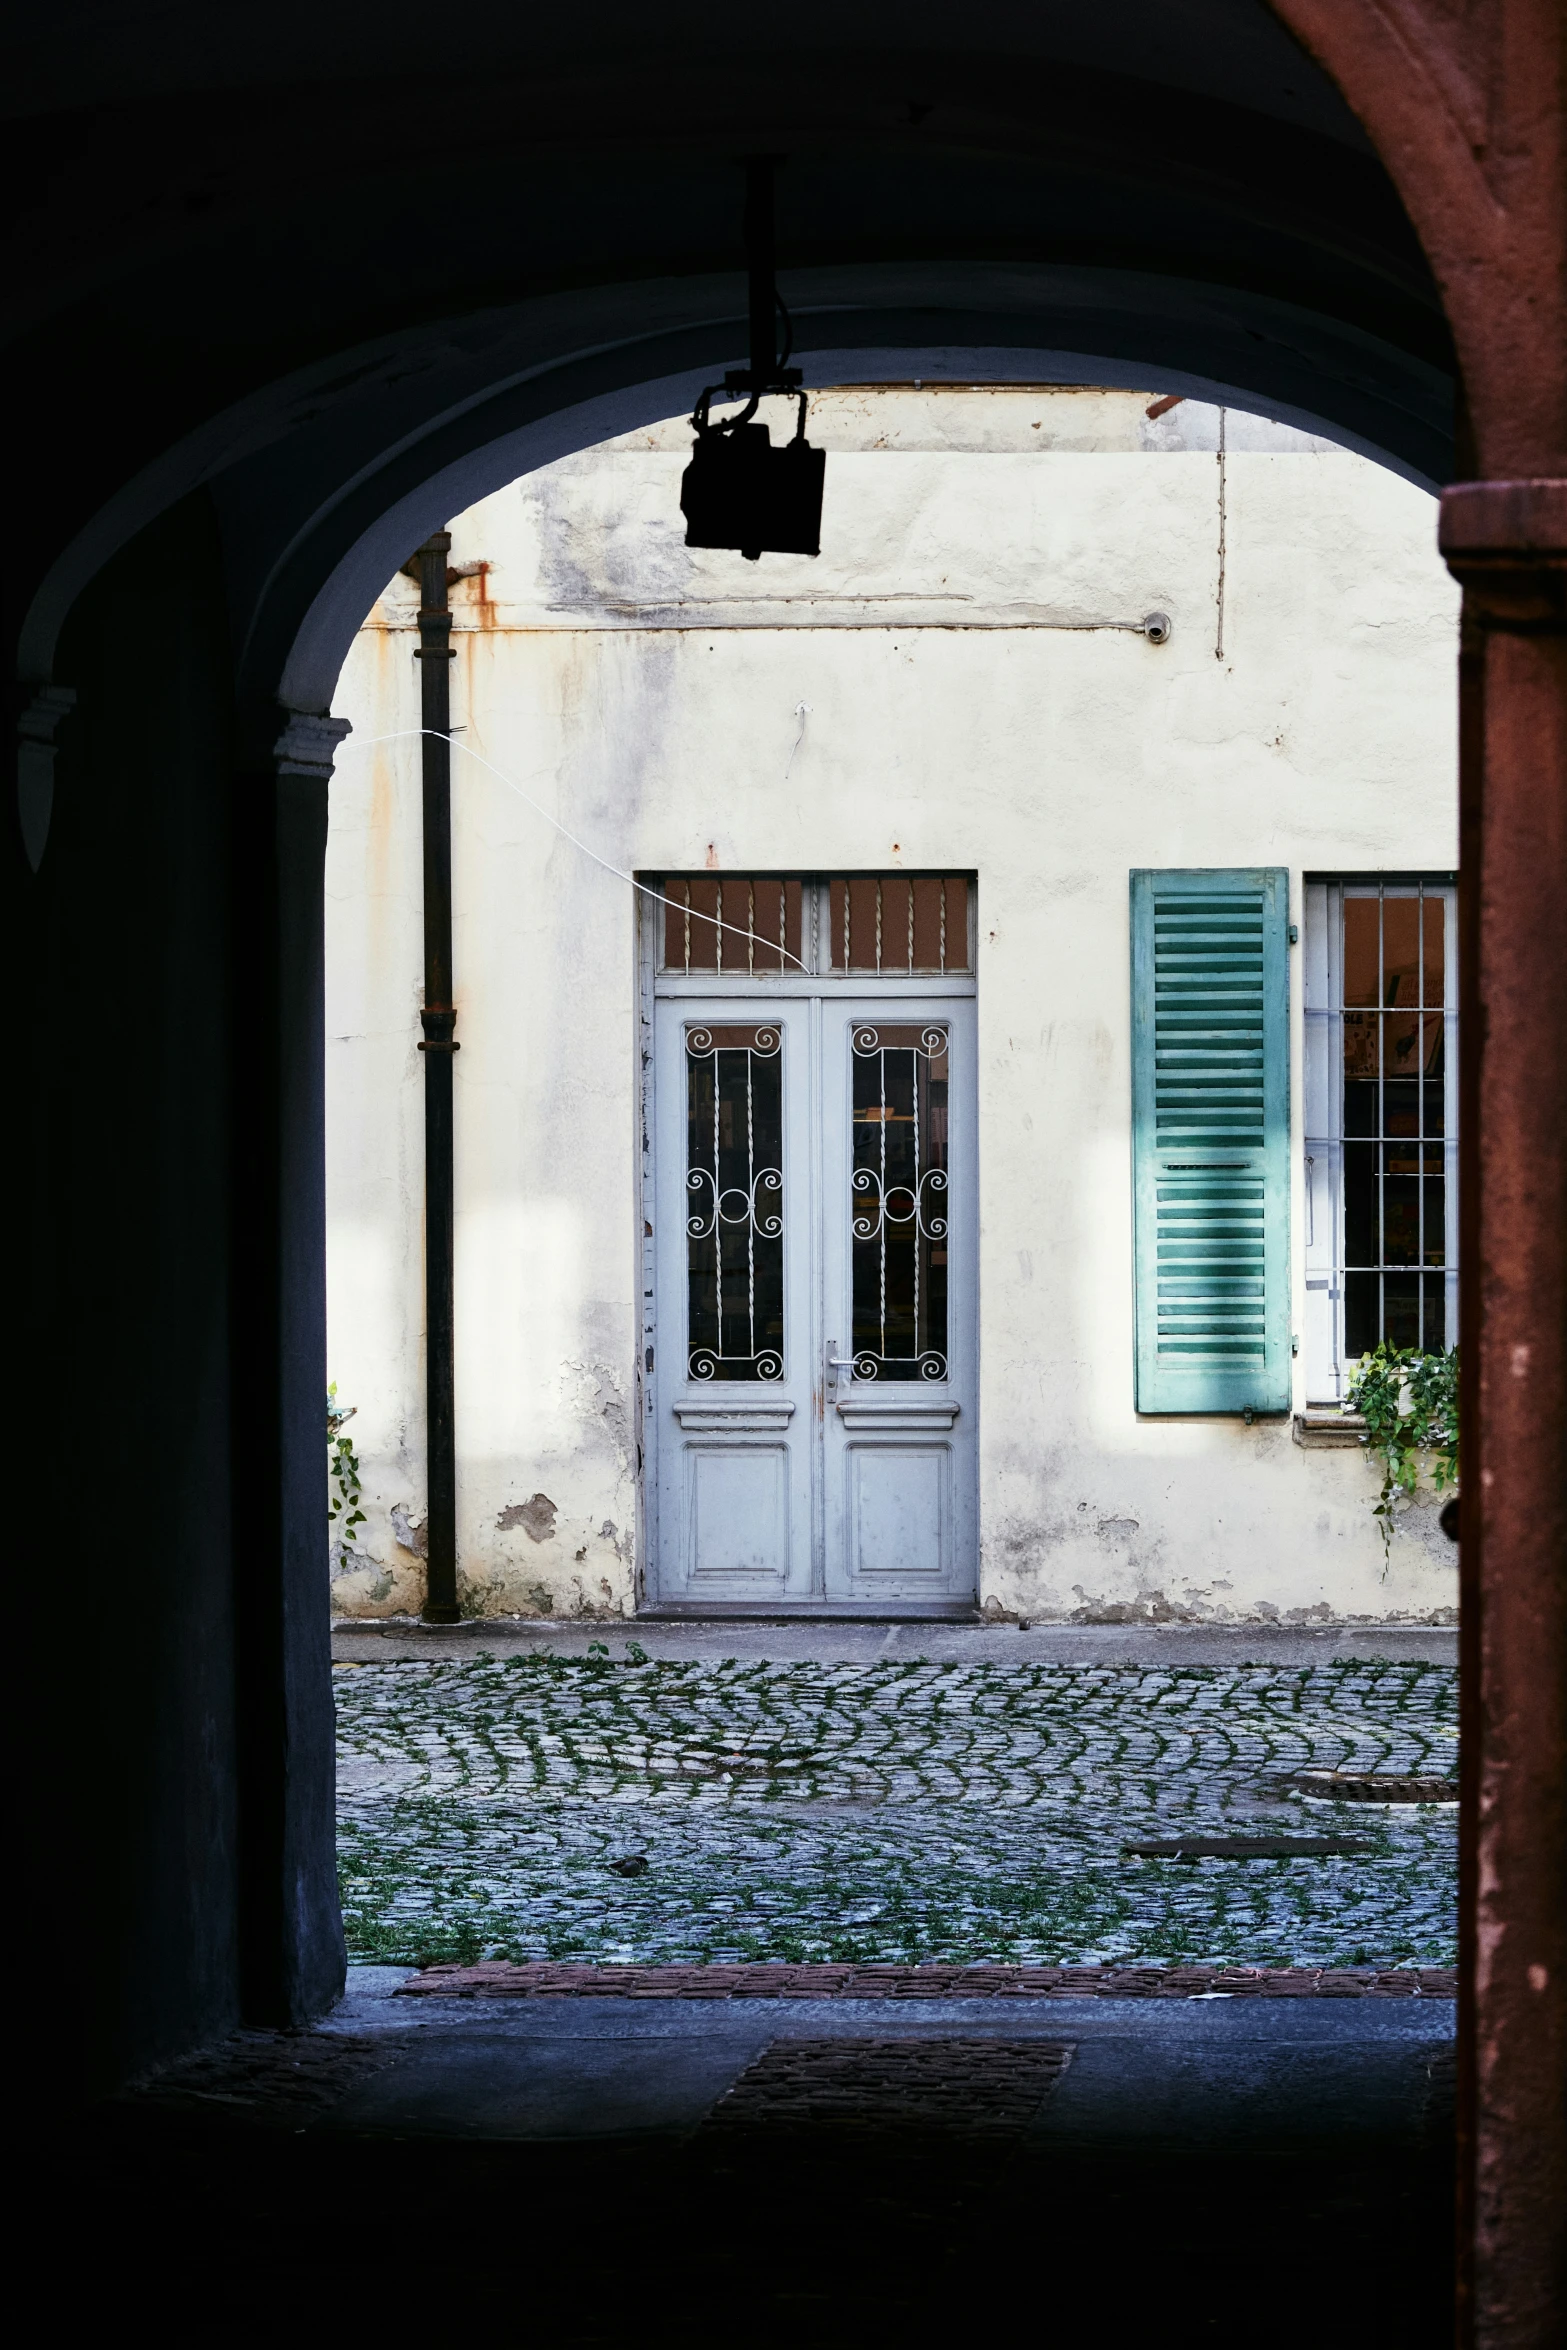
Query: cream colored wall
929	693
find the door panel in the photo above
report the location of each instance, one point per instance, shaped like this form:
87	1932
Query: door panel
899	1513
815	1172
900	1267
734	1354
737	1515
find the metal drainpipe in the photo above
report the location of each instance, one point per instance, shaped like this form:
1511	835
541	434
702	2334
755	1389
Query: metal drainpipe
438	1019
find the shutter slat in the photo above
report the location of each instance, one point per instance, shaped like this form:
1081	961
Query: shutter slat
1210	999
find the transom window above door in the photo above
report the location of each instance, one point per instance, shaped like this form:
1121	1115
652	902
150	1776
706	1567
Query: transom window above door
847	925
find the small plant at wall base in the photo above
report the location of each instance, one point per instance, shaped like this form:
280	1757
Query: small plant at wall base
342	1471
1409	1402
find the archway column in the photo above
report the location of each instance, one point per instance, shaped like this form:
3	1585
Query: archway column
1506	541
291	1931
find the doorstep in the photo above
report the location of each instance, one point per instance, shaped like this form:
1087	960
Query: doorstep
826	1640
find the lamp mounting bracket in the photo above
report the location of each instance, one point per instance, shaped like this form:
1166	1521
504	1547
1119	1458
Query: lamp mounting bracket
769	370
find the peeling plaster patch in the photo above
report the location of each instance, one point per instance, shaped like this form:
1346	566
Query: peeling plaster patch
412	1537
600	1395
1116	1529
1149	1607
536	1517
371	1582
359	1562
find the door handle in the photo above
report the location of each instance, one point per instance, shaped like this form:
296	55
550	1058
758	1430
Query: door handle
836	1362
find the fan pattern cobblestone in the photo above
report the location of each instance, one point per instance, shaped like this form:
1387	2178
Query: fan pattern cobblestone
617	1810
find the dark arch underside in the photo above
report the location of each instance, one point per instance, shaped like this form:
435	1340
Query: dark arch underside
308	260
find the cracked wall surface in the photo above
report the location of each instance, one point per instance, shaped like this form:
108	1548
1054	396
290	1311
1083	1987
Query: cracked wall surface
647	699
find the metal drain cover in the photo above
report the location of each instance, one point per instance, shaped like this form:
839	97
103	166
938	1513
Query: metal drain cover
990	2087
1248	1847
1373	1787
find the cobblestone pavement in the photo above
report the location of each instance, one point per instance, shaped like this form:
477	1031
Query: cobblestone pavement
618	1810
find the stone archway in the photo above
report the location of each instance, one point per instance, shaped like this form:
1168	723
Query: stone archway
261	439
1468	113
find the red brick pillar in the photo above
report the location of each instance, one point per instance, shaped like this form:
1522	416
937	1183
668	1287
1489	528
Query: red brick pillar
1506	541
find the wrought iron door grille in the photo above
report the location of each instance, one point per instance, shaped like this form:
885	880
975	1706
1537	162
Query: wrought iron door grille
898	1202
729	923
893	922
735	1211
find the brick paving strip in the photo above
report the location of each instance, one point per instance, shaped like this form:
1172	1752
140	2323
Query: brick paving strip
496	1979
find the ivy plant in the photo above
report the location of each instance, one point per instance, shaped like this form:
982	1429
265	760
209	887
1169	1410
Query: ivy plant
1409	1402
342	1470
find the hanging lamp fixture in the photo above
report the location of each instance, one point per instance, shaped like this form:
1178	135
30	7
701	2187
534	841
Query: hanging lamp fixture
739	491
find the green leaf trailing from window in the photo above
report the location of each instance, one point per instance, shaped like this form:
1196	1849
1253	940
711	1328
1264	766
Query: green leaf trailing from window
1409	1402
342	1471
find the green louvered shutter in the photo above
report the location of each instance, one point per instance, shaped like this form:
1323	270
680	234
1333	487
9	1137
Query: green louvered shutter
1210	1139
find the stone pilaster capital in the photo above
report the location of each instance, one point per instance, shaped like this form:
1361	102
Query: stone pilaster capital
50	703
308	744
35	747
1506	541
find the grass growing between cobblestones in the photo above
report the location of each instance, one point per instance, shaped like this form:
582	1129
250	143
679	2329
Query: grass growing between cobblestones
888	1812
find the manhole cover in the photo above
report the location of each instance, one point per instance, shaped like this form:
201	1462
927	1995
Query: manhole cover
1372	1787
1248	1847
994	2087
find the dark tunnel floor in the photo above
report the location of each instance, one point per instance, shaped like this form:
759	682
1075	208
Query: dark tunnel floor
586	2171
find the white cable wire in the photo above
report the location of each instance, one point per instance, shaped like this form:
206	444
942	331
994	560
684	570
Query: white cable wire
405	733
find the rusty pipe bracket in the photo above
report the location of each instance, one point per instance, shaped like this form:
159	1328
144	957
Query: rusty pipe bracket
438	1023
413	570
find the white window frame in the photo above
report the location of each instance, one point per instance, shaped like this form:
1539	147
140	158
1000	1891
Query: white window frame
1327	1371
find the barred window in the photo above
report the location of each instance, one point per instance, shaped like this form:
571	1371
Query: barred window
1381	1122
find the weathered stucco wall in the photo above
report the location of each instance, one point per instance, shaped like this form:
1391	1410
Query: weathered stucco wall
926	694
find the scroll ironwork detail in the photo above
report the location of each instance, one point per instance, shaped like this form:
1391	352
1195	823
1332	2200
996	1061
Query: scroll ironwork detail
735	1203
898	1213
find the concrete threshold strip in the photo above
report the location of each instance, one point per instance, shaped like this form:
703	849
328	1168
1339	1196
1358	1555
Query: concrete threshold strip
1079	2058
556	1979
842	1640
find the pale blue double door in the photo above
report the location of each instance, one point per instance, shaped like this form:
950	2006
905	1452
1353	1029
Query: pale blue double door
812	1401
